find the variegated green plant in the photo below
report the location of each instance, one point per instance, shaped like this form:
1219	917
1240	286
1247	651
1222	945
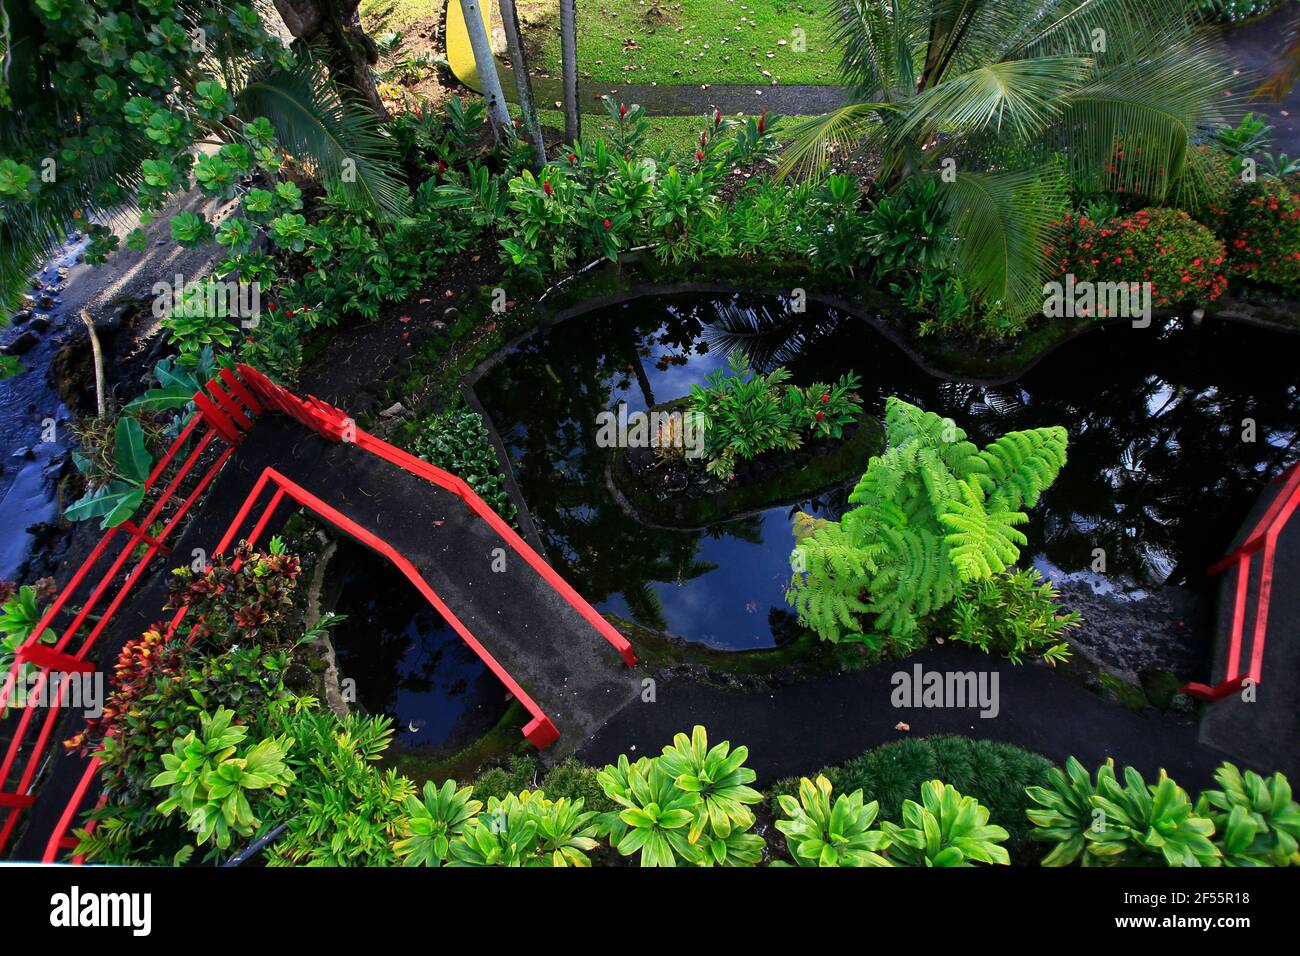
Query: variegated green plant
526	830
656	817
1109	823
718	775
820	833
945	829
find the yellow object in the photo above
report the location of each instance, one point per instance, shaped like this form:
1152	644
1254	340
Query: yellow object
460	55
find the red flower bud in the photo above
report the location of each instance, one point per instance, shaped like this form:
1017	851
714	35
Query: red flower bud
608	224
622	109
572	159
442	167
717	116
821	415
699	155
762	122
546	187
826	397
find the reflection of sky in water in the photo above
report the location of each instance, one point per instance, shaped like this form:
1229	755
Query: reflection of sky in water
1155	440
749	582
406	662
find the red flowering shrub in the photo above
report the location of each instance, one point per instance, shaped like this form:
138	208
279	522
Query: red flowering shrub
1181	258
1261	232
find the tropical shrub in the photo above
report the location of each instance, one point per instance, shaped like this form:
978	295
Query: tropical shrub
1014	615
1181	258
1261	232
934	514
945	829
689	805
213	778
997	772
457	440
818	833
981	98
239	597
1106	823
1256	823
746	413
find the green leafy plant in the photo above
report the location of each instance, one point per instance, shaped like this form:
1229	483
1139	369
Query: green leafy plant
718	775
656	817
934	514
1256	822
1014	615
746	413
457	440
20	613
526	830
342	809
820	833
1104	822
117	489
945	829
245	595
213	786
434	821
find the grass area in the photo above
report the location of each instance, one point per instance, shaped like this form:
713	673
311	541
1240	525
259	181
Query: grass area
688	41
382	15
674	134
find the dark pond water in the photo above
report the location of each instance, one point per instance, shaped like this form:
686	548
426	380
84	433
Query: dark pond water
1158	475
406	662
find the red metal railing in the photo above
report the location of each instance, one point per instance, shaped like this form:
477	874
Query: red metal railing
1263	537
229	407
72	648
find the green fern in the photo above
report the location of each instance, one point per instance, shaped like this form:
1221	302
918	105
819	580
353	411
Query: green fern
934	513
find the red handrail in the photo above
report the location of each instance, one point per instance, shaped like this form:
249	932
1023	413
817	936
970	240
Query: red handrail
1262	537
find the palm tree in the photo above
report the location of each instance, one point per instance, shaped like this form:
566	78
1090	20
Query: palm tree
523	82
1113	88
569	56
351	53
487	68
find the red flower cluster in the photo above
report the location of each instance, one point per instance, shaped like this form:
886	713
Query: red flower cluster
1262	229
1181	258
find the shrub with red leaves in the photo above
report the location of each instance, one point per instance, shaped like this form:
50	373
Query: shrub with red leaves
141	661
1261	232
1181	258
232	605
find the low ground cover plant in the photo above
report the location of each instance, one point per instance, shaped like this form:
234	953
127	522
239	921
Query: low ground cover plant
457	440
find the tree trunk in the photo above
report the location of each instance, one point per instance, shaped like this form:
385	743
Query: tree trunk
487	68
523	82
98	357
569	54
351	52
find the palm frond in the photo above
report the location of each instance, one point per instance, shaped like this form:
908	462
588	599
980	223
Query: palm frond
1129	126
999	220
839	131
343	141
1018	98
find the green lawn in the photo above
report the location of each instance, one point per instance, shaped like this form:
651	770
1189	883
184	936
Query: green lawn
677	134
688	41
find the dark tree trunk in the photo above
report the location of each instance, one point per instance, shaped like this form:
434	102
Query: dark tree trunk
351	52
